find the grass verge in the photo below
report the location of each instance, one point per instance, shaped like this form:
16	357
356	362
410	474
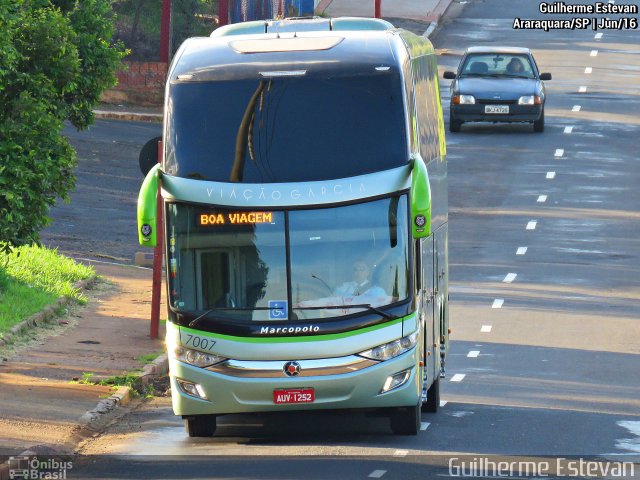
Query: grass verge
33	277
130	380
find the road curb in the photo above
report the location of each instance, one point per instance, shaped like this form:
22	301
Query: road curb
429	31
95	420
438	12
129	116
322	6
46	314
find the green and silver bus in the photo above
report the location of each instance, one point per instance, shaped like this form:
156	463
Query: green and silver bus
304	193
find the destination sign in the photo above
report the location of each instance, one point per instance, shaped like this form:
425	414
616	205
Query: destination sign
211	219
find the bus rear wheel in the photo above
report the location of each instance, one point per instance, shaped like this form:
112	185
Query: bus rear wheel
406	420
200	425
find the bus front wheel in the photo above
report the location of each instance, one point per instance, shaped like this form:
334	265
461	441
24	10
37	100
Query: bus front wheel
200	425
406	420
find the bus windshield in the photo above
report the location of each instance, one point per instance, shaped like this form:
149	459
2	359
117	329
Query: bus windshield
244	266
285	129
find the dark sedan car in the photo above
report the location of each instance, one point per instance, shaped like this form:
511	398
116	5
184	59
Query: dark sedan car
497	84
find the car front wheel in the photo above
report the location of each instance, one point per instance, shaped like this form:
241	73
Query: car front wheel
454	125
538	125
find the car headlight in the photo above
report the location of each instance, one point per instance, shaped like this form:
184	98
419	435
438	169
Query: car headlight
391	349
196	358
529	100
464	100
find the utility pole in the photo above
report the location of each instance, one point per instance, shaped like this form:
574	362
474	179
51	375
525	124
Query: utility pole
223	12
165	31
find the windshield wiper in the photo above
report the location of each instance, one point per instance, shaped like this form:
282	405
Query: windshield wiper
509	75
193	323
368	306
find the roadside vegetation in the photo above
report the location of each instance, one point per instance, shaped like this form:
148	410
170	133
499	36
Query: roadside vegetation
56	59
127	379
32	278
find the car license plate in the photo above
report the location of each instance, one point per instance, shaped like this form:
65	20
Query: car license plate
496	109
293	395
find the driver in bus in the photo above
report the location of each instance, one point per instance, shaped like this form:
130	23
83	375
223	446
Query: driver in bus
359	290
361	283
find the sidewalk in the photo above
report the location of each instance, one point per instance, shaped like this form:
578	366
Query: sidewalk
40	406
420	10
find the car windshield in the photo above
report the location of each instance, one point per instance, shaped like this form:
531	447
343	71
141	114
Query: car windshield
497	65
286	129
285	265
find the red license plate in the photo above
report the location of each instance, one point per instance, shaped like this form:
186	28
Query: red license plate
293	395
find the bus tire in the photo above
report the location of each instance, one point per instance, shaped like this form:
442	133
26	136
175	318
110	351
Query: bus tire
406	420
538	125
200	425
433	397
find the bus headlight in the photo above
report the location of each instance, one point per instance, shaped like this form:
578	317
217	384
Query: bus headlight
391	349
195	357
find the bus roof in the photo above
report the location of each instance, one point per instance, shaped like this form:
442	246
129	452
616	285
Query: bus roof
344	46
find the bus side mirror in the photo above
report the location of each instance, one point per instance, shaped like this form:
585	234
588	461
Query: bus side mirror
420	200
148	208
149	155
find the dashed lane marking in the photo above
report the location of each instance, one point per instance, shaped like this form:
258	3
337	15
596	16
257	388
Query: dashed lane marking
497	303
443	403
473	354
521	251
594	53
576	108
486	328
458	377
559	152
400	453
532	225
598	36
582	89
509	277
551	175
588	70
424	425
568	129
377	473
542	198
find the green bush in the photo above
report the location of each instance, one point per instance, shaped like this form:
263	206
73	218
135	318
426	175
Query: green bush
56	58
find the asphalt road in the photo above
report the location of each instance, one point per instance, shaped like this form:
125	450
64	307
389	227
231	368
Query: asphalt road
545	356
100	220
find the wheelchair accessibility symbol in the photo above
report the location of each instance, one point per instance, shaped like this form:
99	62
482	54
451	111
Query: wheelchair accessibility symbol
277	309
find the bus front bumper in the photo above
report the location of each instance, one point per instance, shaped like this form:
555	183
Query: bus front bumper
230	394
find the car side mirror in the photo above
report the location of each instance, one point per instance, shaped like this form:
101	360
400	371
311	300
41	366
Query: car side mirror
545	76
449	75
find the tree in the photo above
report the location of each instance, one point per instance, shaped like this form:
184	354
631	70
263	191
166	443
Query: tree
56	58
